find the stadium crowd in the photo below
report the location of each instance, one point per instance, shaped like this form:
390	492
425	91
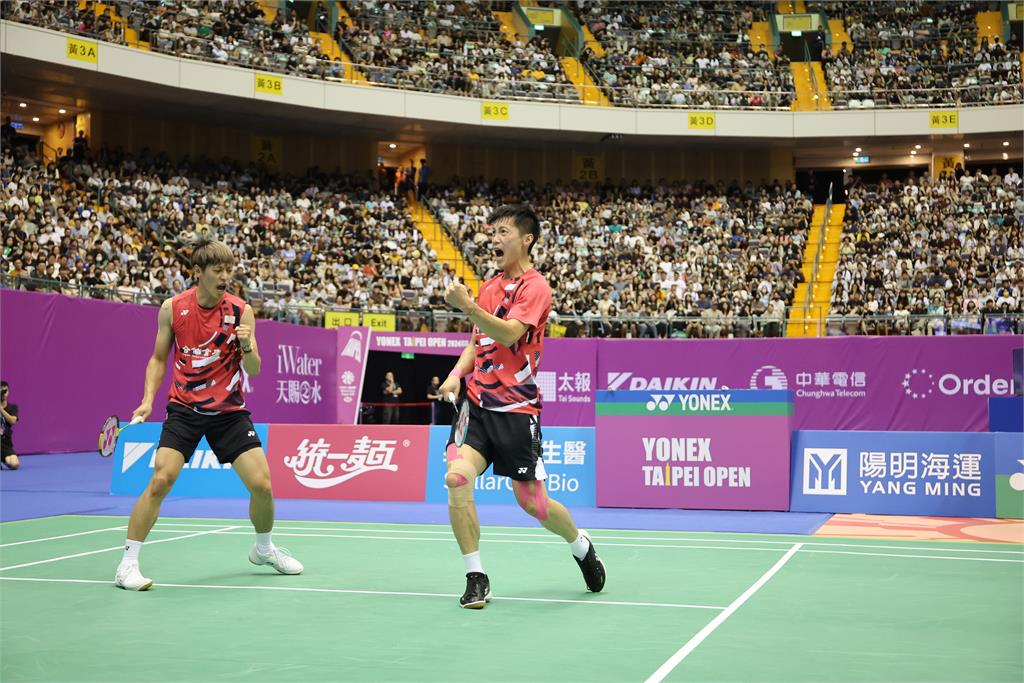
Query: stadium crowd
948	246
121	228
658	53
723	259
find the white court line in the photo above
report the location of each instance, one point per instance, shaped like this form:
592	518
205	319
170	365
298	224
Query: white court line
54	538
302	589
681	654
451	538
116	547
488	539
600	537
923	557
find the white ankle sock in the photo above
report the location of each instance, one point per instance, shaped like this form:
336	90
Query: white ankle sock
473	563
263	542
131	551
580	546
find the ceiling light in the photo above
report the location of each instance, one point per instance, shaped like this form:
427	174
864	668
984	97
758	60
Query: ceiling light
854	154
917	146
967	145
1006	143
22	105
913	152
392	146
1005	155
35	119
62	111
856	149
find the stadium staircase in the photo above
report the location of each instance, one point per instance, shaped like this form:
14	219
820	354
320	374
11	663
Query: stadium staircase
839	35
585	85
269	8
131	36
508	27
811	87
788	7
805	323
990	25
439	240
594	44
761	34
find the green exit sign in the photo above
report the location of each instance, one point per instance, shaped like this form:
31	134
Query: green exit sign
408	356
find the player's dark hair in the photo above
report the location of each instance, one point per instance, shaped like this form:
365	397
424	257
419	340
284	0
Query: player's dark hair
522	216
4	384
210	253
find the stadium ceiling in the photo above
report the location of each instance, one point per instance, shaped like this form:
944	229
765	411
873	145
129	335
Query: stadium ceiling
49	87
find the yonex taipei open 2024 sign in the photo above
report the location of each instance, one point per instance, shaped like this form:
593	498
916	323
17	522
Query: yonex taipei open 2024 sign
725	450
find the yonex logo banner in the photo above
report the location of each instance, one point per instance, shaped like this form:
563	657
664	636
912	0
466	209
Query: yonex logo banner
348	462
896	473
694	449
203	476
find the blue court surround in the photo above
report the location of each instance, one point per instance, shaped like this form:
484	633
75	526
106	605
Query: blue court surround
77	483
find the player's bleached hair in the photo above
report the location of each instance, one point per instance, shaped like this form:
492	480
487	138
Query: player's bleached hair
211	253
522	216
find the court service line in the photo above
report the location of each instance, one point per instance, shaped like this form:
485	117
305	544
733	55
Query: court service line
54	538
600	537
348	591
681	654
805	549
116	547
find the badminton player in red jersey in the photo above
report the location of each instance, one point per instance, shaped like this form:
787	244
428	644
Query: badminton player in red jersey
214	336
500	365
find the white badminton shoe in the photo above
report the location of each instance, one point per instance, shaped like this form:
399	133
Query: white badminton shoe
278	558
130	578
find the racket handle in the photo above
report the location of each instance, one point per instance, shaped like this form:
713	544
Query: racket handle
451	397
135	420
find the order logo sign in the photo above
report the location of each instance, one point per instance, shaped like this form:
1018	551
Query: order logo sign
348	462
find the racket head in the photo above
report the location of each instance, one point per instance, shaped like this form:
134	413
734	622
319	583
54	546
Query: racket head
108	436
462	424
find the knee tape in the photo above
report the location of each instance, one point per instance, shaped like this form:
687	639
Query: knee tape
531	497
460	483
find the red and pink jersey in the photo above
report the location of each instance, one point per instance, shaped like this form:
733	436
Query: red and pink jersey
503	377
208	359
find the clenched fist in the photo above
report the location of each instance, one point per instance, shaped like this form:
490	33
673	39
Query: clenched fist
244	335
457	296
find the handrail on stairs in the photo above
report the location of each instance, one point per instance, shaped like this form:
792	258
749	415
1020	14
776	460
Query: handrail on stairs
462	265
813	280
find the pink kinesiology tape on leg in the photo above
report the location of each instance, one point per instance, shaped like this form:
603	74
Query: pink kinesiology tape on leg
531	497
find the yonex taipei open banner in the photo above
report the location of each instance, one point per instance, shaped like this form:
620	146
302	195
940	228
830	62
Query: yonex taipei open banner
724	450
569	463
201	477
949	474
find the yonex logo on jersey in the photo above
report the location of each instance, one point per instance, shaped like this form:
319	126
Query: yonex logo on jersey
522	470
184	312
251	433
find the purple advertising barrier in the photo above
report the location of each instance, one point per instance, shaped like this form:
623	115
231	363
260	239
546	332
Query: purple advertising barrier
353	345
705	450
73	362
297	379
851	383
566	377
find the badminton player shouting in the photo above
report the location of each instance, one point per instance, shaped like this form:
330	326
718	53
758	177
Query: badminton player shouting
500	364
214	335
